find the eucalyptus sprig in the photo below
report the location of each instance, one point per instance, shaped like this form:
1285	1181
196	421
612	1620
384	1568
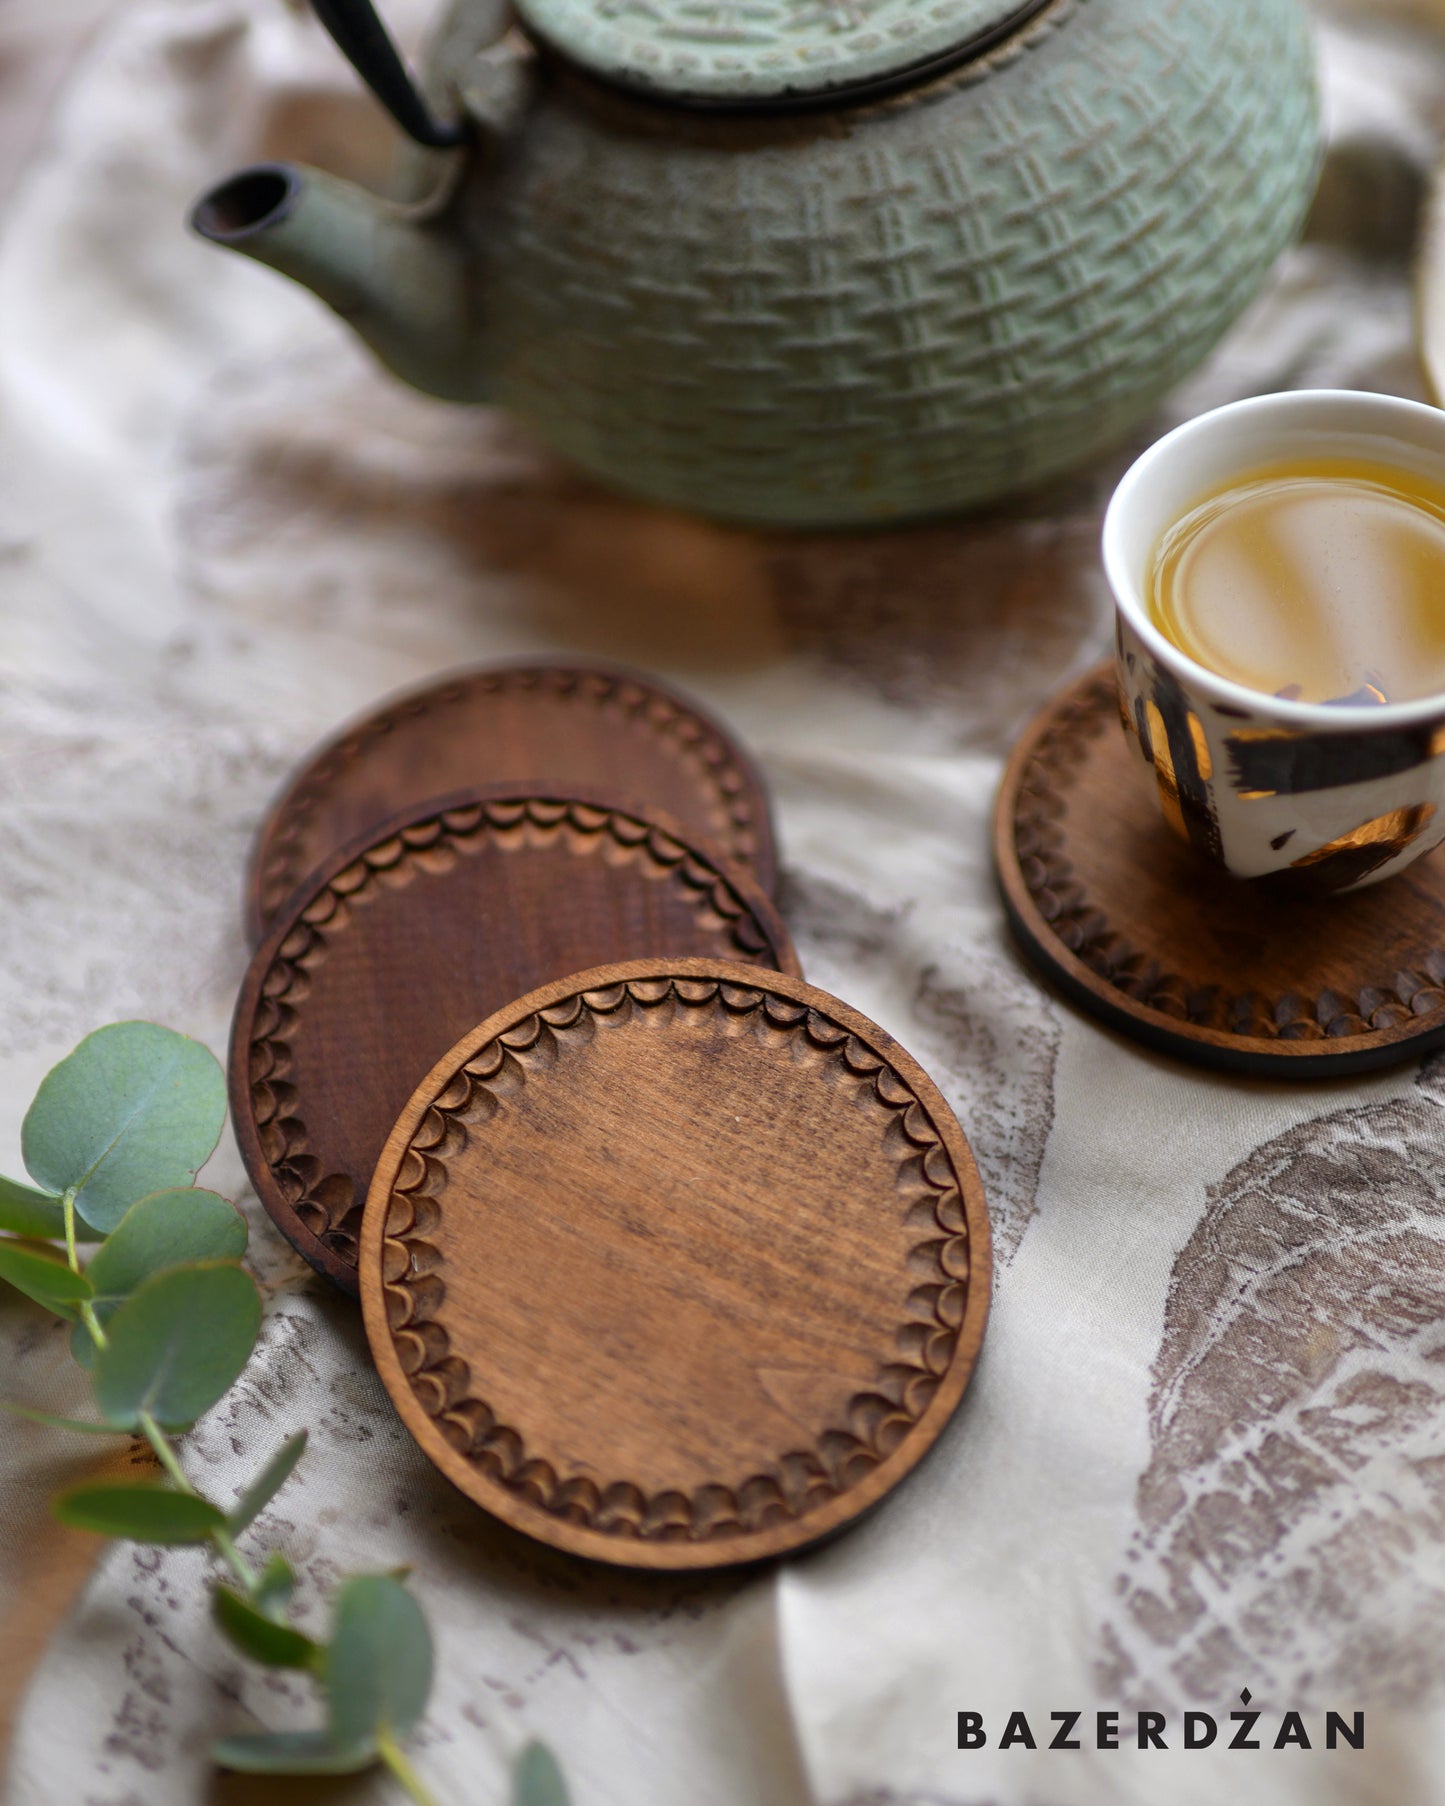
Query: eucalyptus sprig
164	1319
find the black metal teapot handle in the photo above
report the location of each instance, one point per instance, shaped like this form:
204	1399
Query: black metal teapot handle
365	43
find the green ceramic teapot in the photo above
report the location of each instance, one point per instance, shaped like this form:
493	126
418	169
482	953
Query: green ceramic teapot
819	262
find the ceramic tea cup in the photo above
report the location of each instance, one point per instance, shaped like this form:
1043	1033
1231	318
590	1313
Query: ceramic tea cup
1325	797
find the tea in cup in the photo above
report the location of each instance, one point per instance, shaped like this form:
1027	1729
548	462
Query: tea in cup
1278	568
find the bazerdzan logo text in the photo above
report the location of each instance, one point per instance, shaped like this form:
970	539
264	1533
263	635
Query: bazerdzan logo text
1245	1730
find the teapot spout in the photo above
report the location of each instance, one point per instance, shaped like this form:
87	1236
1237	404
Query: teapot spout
398	280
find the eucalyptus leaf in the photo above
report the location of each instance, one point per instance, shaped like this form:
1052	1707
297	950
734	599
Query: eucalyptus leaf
135	1109
259	1494
176	1345
82	1343
25	1211
141	1513
274	1586
168	1229
537	1780
292	1753
260	1637
42	1274
61	1423
379	1663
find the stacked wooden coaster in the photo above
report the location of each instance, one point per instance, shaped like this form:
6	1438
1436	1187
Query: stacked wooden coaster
666	1257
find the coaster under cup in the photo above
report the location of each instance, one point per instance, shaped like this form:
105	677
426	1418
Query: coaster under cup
1137	929
676	1264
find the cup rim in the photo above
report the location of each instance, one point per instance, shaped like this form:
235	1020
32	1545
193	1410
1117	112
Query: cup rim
1127	593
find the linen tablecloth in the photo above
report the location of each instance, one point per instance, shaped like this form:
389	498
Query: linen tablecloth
1205	1447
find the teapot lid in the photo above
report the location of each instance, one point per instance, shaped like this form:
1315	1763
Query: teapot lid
768	52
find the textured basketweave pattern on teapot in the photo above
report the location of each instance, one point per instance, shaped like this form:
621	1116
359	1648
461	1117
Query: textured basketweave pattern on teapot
757	47
910	306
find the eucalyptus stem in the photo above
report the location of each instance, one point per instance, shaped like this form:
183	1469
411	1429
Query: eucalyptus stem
394	1757
164	1453
170	1461
87	1309
236	1562
71	1252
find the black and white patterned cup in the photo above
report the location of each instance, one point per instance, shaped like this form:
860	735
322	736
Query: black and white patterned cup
1330	797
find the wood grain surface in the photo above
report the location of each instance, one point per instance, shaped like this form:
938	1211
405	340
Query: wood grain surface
1136	928
407	939
559	729
676	1264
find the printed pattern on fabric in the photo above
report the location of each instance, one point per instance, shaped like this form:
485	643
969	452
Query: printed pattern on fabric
1291	1522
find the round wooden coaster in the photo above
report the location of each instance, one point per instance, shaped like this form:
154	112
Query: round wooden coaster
676	1264
560	729
1137	929
405	940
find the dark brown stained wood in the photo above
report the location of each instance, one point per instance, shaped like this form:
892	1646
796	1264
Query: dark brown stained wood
559	729
406	940
1140	931
676	1264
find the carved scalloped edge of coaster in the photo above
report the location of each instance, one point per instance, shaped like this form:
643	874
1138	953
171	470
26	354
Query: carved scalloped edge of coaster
276	869
810	1492
1071	938
319	1212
